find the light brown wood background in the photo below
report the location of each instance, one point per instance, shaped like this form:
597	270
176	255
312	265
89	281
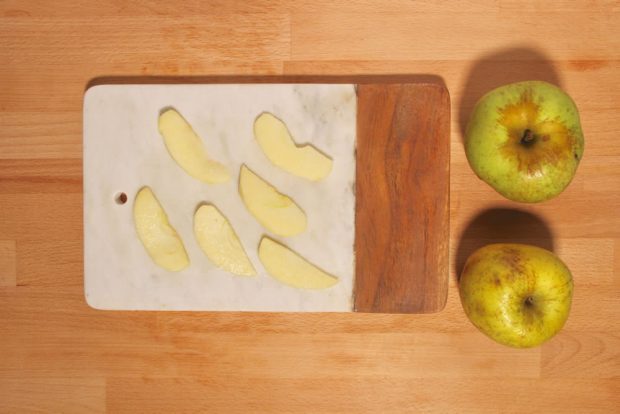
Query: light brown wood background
57	355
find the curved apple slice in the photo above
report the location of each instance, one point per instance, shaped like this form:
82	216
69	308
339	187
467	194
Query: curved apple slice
186	148
278	145
159	238
219	242
290	268
277	212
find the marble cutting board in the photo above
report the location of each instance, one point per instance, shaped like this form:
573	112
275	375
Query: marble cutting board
124	151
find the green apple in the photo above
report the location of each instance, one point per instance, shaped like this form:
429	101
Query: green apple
525	140
516	294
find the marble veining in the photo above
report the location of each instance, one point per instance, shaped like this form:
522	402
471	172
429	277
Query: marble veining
124	151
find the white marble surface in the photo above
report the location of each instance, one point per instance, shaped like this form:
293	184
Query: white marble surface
123	151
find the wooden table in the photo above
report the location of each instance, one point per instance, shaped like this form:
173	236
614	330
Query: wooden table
58	355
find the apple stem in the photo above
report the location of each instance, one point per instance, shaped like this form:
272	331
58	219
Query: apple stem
528	137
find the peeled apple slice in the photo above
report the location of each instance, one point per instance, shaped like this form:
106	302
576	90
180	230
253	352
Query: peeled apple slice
277	212
186	148
159	238
278	145
290	268
219	242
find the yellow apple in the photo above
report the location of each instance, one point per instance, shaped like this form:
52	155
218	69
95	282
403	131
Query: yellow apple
219	242
278	145
277	212
516	294
159	238
186	148
290	268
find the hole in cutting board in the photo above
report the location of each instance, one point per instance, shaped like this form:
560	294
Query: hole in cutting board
120	198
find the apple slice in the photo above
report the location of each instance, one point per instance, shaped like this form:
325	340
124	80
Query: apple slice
186	148
219	242
159	238
277	212
278	145
290	268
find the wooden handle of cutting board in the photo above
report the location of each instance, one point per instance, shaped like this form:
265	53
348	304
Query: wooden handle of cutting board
402	198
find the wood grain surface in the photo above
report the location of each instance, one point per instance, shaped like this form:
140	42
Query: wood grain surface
402	198
57	355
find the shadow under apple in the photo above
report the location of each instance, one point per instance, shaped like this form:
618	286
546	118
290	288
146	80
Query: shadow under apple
500	68
501	225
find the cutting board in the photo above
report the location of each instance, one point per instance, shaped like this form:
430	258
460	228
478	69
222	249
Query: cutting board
379	221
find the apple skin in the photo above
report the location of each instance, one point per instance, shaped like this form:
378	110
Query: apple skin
516	294
531	169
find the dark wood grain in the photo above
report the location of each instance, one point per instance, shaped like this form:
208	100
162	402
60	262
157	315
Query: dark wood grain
402	198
